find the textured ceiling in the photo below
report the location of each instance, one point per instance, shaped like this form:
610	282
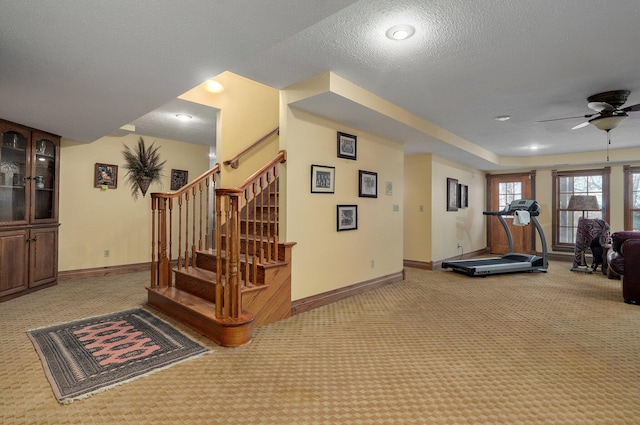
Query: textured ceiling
106	64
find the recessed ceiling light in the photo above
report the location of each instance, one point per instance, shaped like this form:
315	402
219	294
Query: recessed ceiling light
534	148
400	32
213	86
184	117
503	118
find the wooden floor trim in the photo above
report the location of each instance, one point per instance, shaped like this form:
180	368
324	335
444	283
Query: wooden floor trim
103	271
325	298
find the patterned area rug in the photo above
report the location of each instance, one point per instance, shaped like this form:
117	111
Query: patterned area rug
87	356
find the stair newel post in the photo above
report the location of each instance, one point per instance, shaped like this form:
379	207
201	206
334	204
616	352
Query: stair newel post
268	221
170	241
234	285
193	226
218	234
154	258
276	205
163	262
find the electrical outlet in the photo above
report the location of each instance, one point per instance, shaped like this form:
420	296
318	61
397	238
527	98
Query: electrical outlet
459	245
372	264
106	253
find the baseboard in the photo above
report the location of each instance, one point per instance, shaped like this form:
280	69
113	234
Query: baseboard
437	265
103	271
325	298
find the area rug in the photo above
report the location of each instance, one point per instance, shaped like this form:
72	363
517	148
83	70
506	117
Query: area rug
87	356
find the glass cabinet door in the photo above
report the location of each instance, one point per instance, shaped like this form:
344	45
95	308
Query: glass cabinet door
13	175
43	177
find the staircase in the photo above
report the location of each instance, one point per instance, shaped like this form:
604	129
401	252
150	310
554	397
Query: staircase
218	265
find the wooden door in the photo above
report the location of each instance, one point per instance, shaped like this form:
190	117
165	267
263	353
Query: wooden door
502	189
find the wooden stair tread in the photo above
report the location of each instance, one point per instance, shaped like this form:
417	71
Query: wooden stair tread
193	302
243	258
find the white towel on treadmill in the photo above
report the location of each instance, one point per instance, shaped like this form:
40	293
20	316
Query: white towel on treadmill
521	218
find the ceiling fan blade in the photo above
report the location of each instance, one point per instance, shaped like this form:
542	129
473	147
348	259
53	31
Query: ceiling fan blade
582	124
568	118
601	106
632	108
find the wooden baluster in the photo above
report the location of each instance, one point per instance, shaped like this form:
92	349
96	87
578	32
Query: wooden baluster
201	225
193	224
207	188
186	229
180	258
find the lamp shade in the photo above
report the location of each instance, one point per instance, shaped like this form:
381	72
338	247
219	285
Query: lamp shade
608	122
583	203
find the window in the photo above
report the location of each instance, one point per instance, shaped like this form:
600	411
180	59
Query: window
631	198
580	182
508	192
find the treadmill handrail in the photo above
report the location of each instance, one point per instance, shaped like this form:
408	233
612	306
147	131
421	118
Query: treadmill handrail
509	212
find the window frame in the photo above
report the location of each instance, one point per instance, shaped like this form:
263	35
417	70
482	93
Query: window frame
629	171
605	172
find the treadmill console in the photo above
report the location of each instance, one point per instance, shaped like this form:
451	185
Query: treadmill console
524	205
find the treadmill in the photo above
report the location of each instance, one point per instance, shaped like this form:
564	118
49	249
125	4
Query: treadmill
510	262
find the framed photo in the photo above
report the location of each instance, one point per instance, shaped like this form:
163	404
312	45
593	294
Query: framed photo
463	196
179	178
323	179
452	194
347	217
105	175
367	184
347	144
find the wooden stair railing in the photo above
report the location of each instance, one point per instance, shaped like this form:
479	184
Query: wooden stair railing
235	161
233	223
195	205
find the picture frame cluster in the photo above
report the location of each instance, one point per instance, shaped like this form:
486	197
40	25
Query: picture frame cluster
323	180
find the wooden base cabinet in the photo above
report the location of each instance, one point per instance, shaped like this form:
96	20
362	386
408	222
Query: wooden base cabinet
29	174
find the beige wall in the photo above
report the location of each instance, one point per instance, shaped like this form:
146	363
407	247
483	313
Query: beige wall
433	234
325	259
94	220
248	111
418	195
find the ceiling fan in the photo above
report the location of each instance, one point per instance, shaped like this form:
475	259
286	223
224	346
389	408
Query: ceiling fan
608	112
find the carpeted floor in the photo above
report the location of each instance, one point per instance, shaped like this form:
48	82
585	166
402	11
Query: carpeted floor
438	348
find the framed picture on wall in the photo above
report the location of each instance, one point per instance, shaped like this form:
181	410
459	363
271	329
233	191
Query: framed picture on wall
179	178
463	196
452	194
347	217
367	184
323	179
347	145
105	175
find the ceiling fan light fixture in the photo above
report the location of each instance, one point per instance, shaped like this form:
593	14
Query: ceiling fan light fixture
608	122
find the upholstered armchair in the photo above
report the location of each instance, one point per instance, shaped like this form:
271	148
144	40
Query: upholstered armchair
624	259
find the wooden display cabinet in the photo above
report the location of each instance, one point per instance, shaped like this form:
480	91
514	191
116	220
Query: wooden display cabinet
29	174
